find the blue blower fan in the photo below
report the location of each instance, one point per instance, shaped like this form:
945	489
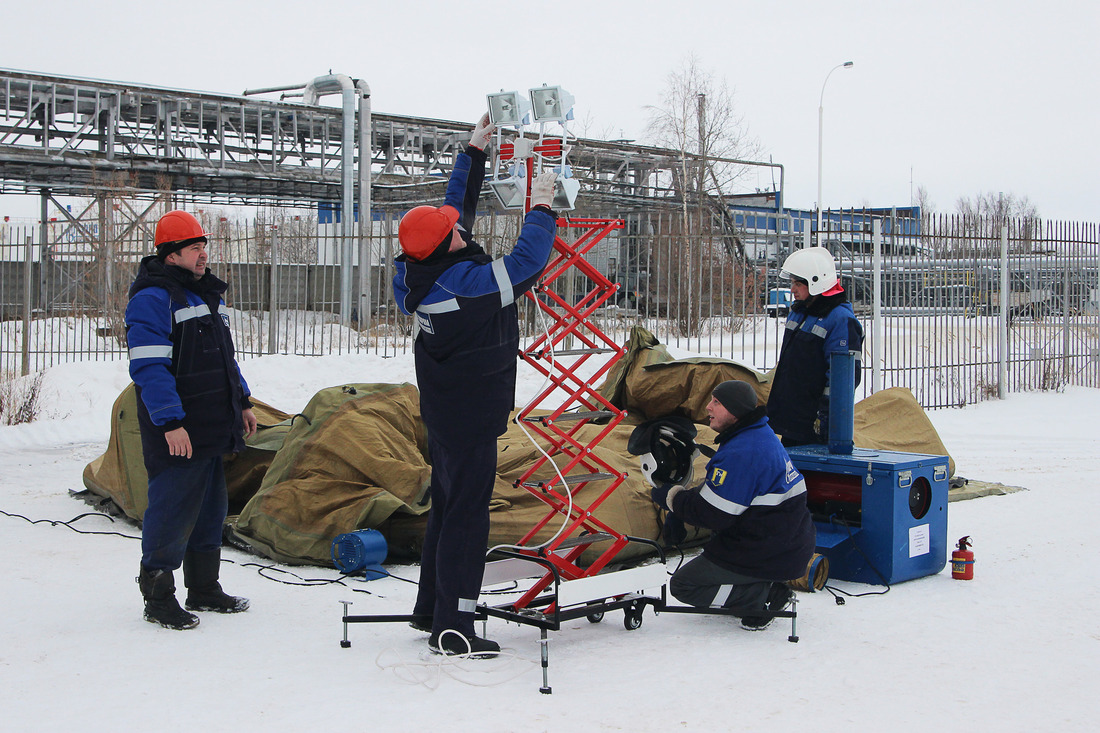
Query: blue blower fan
360	551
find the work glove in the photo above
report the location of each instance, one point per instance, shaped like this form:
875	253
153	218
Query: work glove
674	532
662	495
484	130
542	189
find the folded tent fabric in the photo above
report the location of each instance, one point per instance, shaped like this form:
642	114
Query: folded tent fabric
355	458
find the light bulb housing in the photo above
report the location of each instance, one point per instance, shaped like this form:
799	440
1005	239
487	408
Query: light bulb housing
551	104
508	109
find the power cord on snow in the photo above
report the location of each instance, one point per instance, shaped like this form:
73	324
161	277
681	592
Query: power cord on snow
838	592
267	572
69	524
264	571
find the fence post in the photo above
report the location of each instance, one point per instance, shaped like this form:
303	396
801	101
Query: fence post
43	244
273	294
1002	326
28	292
1066	341
877	325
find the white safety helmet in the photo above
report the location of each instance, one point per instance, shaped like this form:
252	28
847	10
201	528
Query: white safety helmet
815	266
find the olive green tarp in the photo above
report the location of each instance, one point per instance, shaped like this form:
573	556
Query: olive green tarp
653	385
356	457
119	474
361	462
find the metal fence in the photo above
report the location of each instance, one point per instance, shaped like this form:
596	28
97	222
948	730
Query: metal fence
956	309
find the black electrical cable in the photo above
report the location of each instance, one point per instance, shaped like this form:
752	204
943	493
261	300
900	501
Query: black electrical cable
264	570
837	591
513	588
69	524
261	569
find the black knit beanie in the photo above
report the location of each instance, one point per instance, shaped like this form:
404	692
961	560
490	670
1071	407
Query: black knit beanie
738	397
166	248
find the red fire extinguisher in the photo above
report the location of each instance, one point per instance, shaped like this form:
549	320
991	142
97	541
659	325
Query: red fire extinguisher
962	561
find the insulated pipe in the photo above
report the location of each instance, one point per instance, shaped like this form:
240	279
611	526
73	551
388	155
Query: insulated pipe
365	221
269	90
842	395
331	84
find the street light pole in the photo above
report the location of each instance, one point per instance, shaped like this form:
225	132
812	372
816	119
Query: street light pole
820	134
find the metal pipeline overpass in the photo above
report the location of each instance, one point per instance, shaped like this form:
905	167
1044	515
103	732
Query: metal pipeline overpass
82	137
106	140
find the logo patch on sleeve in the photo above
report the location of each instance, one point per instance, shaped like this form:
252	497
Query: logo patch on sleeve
717	477
792	475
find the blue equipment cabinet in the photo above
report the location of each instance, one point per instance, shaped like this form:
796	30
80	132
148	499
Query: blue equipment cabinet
881	516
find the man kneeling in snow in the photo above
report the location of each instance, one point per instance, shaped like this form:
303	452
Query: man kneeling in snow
754	501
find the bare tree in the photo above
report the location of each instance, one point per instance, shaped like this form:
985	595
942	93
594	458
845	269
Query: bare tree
924	200
998	205
589	128
698	116
297	234
991	211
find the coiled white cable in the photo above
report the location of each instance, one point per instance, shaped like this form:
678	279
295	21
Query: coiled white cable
430	668
565	486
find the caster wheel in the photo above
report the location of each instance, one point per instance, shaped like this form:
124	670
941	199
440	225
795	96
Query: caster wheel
595	618
632	619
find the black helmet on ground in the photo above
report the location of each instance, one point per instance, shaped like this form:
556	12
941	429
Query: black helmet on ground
666	449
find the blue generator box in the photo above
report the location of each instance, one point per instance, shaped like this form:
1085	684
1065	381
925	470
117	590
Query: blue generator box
881	516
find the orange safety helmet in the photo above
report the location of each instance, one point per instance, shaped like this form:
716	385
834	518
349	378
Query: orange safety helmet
176	230
424	228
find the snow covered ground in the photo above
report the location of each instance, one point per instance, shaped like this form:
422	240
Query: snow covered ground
1013	650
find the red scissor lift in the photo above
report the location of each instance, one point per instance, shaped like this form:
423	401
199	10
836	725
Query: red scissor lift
570	340
582	404
564	588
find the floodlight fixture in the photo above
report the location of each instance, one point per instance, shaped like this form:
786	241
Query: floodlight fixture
551	104
565	194
508	109
511	192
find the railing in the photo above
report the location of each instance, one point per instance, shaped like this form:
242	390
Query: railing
967	309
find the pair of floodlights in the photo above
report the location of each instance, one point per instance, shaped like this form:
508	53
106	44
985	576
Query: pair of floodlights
511	192
548	104
511	109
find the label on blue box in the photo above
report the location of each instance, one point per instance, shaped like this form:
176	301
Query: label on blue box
919	540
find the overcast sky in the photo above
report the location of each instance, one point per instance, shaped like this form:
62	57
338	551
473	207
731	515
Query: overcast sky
960	97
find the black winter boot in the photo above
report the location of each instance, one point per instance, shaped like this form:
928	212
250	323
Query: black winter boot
421	623
204	592
455	644
158	588
779	597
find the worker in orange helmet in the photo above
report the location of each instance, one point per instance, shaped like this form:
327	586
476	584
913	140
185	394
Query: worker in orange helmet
464	303
193	407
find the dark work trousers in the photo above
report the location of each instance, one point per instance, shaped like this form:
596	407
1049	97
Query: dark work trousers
453	561
706	585
187	508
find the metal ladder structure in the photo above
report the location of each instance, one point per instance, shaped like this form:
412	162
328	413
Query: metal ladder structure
561	427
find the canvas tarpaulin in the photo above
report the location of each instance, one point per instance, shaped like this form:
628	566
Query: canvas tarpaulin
360	462
119	474
356	458
651	384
